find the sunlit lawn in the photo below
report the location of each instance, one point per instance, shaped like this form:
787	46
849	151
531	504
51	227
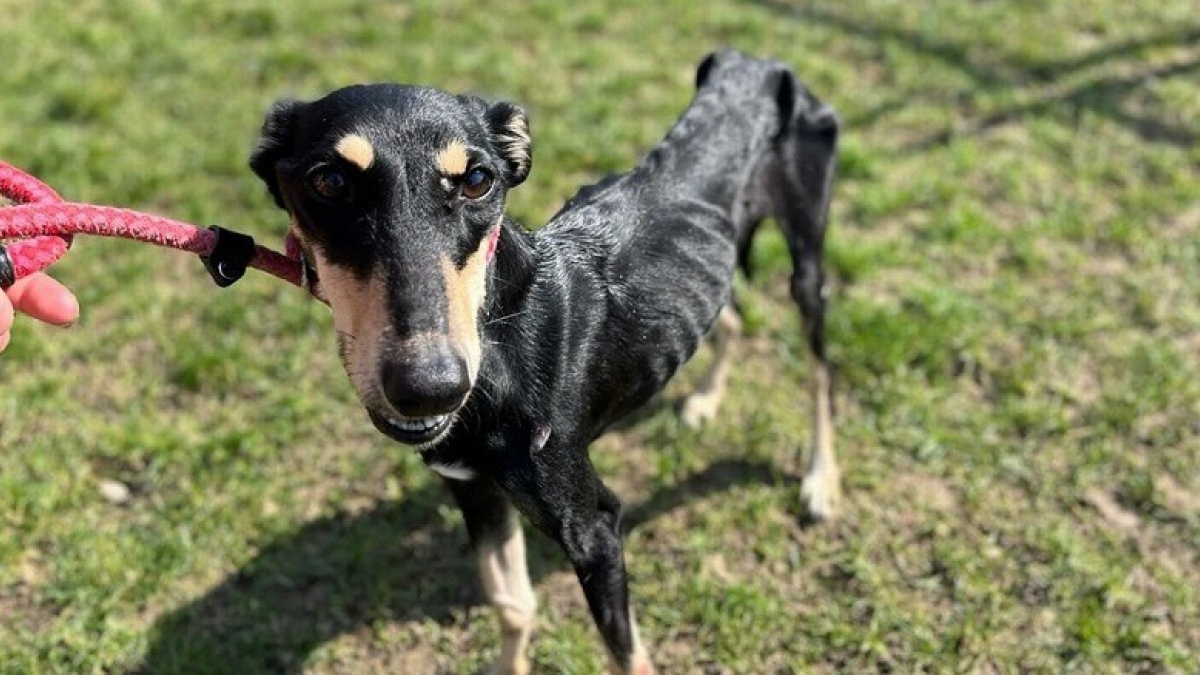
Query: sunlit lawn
1016	321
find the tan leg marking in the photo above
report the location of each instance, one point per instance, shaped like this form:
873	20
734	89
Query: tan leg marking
702	405
466	289
506	582
452	159
822	485
356	150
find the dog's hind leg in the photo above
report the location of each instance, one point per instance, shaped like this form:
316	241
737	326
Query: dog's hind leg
802	176
821	490
495	532
702	404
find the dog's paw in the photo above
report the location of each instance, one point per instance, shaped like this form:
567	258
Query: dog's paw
699	409
518	666
819	497
641	666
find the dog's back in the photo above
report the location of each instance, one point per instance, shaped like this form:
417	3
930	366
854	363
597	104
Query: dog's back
661	242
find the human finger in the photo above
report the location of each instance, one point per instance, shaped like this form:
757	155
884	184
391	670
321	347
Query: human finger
6	320
44	299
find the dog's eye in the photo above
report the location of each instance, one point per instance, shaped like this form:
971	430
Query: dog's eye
477	183
328	182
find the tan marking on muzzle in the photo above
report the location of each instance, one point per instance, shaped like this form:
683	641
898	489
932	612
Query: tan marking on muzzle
360	315
452	159
465	291
356	150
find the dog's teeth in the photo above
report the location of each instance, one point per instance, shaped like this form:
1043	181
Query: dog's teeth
416	425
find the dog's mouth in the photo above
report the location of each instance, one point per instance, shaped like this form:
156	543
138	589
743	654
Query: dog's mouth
413	430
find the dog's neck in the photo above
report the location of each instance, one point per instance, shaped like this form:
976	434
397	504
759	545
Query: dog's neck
520	315
512	277
513	272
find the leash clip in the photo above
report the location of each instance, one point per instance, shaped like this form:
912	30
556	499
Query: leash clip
230	256
8	273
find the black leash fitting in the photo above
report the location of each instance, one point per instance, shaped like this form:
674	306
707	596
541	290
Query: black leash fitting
230	256
8	274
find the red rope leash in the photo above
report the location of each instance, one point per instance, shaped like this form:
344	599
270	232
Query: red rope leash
44	224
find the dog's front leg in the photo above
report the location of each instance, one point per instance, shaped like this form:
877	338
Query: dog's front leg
563	497
596	552
495	533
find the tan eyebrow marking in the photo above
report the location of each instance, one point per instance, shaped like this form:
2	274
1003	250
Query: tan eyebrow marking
356	150
452	160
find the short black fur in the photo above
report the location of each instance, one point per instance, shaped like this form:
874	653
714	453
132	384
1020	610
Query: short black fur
588	317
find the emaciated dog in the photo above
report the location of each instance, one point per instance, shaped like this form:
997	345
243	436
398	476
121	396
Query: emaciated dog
501	353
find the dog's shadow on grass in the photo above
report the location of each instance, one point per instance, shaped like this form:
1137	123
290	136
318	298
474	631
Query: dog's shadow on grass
404	560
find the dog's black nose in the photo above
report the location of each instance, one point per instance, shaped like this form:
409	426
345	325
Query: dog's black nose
434	384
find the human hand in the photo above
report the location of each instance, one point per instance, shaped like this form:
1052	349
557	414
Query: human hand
38	296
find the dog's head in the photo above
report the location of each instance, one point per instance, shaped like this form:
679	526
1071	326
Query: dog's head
397	195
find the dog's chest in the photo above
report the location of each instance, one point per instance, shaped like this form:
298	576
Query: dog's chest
448	461
454	471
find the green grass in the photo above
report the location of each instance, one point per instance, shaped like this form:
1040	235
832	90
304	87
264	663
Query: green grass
1016	320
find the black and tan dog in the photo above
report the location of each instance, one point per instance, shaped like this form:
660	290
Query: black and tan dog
502	354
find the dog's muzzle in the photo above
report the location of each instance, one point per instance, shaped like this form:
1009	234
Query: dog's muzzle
423	391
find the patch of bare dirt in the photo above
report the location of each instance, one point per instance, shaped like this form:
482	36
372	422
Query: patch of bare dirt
1184	226
22	612
927	490
1112	513
20	607
360	651
1175	497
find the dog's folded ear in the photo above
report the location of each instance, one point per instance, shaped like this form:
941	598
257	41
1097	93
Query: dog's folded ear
509	127
274	144
705	68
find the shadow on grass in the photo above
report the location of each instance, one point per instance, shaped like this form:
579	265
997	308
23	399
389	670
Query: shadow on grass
401	561
1103	95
